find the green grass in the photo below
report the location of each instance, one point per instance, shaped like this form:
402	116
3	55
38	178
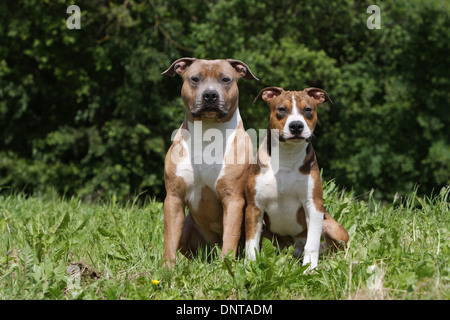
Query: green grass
396	251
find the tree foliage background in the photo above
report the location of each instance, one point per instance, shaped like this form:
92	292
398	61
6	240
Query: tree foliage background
87	111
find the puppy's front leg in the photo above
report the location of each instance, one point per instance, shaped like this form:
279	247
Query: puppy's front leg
253	229
314	222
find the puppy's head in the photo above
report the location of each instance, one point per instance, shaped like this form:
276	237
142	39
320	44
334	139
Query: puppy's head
210	88
293	113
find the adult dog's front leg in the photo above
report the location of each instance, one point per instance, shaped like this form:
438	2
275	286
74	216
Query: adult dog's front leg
173	227
233	213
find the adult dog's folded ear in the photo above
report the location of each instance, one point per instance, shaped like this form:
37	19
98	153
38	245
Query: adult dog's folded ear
242	69
267	94
179	66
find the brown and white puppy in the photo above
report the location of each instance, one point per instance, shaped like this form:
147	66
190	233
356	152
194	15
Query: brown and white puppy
284	189
207	178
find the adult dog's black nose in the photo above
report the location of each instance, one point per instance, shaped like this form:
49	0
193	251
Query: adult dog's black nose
296	127
210	96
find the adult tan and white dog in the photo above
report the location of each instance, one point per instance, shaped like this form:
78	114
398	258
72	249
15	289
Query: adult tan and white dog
284	190
209	181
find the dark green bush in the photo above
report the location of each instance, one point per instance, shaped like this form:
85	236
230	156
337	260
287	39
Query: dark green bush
87	111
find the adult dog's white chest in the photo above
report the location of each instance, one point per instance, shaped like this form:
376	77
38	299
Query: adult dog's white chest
204	165
196	177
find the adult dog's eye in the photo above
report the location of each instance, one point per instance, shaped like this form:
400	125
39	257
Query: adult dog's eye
195	79
226	80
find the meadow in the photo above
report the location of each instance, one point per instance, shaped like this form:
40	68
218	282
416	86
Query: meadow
58	249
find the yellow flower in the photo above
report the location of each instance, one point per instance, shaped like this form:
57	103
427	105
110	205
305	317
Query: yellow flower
155	282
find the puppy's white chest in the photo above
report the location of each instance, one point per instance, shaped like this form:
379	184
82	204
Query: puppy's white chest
280	195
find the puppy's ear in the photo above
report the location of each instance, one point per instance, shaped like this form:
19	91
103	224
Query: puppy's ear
179	66
242	69
268	94
318	94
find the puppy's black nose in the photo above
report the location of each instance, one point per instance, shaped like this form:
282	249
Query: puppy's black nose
296	127
210	96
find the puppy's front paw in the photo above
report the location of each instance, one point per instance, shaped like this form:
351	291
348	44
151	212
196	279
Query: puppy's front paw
250	251
312	258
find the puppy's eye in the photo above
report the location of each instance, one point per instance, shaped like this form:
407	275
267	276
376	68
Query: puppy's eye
307	110
282	109
226	80
195	79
